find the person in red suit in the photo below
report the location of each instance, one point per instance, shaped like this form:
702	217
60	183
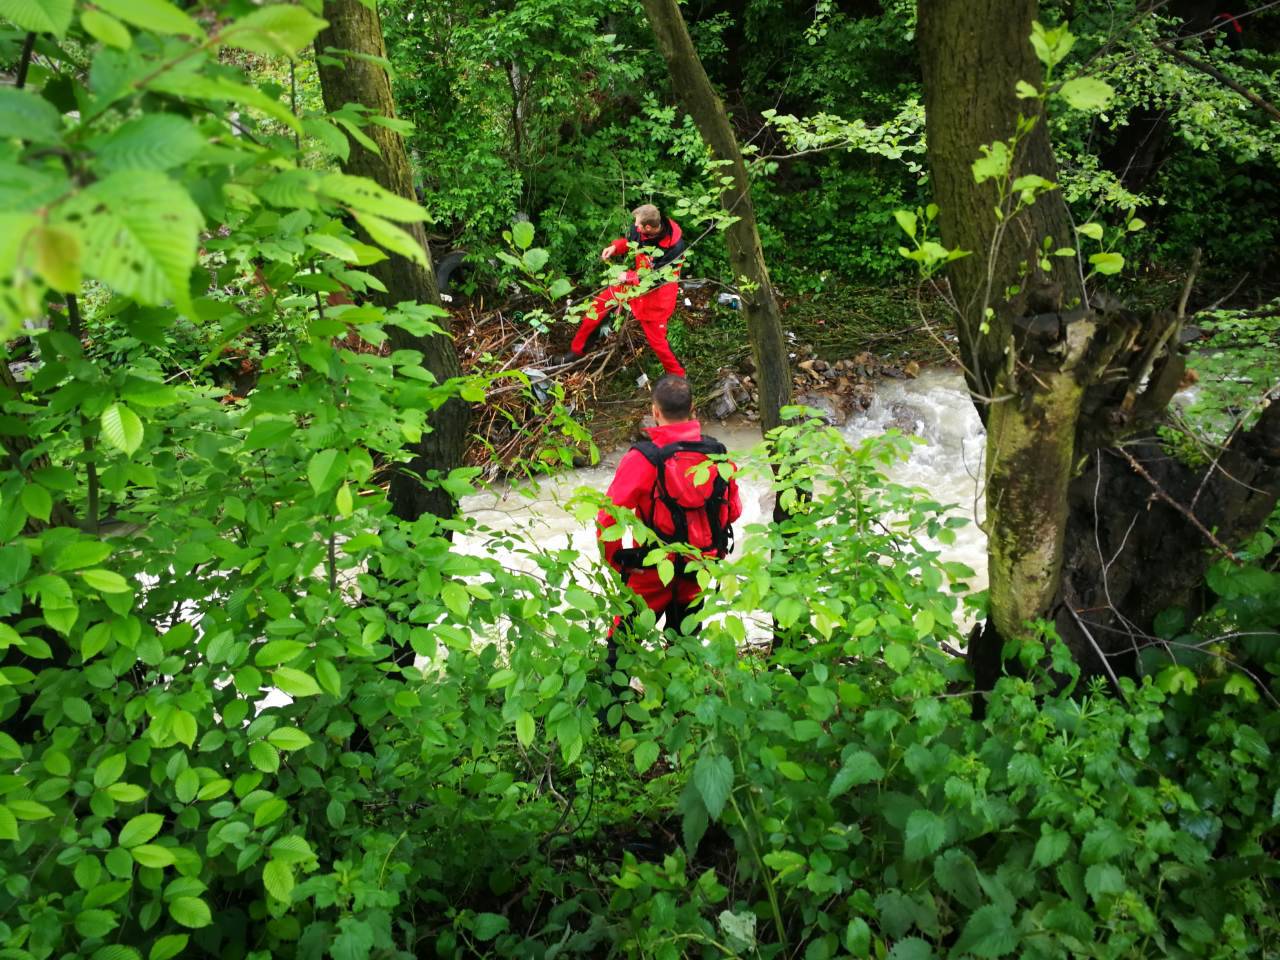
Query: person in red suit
655	479
649	291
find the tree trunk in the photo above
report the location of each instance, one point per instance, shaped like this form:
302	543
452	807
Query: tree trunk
764	324
357	29
1056	380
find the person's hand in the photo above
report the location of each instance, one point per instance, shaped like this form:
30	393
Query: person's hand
607	252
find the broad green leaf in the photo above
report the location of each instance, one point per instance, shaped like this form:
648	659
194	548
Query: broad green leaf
526	728
1091	230
140	829
190	912
391	237
292	849
861	767
713	778
645	755
791	770
277	878
289	738
139	230
156	141
153	855
987	933
925	833
30	113
501	678
363	195
335	247
295	682
199	86
82	553
8	824
116	951
36	501
1107	263
326	469
535	259
29	810
106	29
125	792
109	770
121	428
1087	93
168	946
270	811
106	581
183	726
907	221
279	30
1050	847
911	948
38	16
1104	879
157	16
522	234
489	925
264	756
275	652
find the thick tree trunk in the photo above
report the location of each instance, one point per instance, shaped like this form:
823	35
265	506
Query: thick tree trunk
1024	375
356	29
1059	380
764	324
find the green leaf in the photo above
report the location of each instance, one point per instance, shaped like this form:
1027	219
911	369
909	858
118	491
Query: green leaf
275	652
140	232
526	728
501	678
1104	879
1105	842
190	912
184	727
713	778
168	947
335	247
925	833
535	259
29	810
362	194
791	770
279	30
38	16
8	824
140	829
270	811
907	221
295	682
153	855
277	878
95	923
325	470
1091	230
988	933
116	951
264	756
109	770
157	16
106	581
522	234
645	755
157	141
1107	263
125	792
106	29
911	948
292	849
27	111
392	238
1050	847
82	553
36	501
289	738
488	925
860	767
121	428
1087	93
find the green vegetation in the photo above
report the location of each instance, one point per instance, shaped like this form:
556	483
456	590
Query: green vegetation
247	712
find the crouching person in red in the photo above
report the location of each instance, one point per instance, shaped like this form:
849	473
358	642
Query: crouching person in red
657	480
658	243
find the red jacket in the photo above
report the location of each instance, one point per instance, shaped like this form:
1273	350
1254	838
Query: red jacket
633	487
657	304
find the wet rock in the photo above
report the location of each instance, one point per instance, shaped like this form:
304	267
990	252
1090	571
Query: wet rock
904	418
826	406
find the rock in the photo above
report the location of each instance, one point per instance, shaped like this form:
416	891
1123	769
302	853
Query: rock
904	417
826	407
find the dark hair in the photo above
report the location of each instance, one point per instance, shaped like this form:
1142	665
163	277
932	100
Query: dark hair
673	397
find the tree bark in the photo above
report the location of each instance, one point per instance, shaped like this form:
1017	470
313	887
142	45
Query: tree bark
764	323
1059	380
356	29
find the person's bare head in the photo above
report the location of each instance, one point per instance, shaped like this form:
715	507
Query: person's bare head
648	220
672	400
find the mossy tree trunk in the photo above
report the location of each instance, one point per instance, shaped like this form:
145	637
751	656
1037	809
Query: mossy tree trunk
759	303
346	78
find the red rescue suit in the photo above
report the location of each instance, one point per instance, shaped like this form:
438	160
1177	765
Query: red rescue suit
653	308
633	488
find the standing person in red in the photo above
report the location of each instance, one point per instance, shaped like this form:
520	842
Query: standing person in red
655	478
650	295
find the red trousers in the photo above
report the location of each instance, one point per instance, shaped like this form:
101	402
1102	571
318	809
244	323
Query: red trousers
655	331
676	600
